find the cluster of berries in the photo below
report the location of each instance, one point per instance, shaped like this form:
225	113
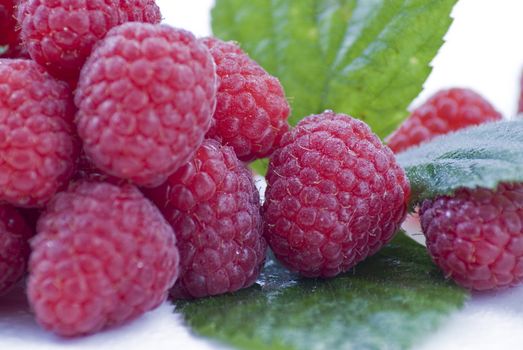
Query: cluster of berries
127	139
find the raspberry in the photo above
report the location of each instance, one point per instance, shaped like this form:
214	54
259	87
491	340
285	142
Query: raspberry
103	255
446	111
214	208
14	247
37	143
335	195
145	100
251	112
61	34
9	33
476	236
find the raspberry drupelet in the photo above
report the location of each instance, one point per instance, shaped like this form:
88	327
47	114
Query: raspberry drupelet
145	101
251	112
476	235
335	195
214	209
446	111
103	255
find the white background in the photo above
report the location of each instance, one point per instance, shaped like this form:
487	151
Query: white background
484	51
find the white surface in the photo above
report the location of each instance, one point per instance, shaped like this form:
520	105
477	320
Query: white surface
160	329
484	52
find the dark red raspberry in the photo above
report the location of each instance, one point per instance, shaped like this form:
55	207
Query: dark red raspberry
14	247
446	111
10	45
476	236
38	146
214	208
60	34
145	99
103	255
251	112
335	195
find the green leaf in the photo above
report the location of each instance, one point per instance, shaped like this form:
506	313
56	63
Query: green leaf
389	301
482	156
366	58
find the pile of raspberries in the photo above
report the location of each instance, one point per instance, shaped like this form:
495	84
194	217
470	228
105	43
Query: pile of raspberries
124	146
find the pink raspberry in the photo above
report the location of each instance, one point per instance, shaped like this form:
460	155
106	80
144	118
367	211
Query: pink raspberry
61	34
446	111
14	247
38	146
476	236
103	255
335	195
214	208
10	45
251	112
145	100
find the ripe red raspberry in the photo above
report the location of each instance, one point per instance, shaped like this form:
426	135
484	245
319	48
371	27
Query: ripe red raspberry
145	100
10	45
251	112
103	255
214	208
476	236
335	195
14	247
37	143
61	34
446	111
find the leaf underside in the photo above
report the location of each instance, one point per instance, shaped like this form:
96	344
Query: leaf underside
482	156
366	58
389	301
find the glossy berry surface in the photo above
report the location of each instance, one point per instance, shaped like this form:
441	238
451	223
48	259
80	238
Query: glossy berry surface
145	98
251	112
103	255
38	146
446	111
214	209
14	247
335	195
476	236
60	34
